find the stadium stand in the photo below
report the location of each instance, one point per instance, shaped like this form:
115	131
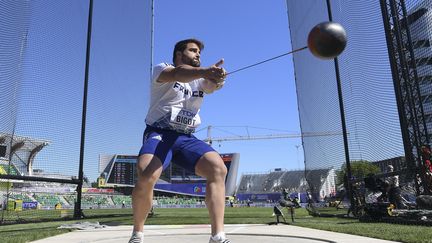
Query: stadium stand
269	185
6	169
22	196
120	200
47	201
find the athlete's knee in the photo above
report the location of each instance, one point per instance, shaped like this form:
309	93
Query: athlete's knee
212	167
148	177
220	169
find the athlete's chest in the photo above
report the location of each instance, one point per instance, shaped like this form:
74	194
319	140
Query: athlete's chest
188	91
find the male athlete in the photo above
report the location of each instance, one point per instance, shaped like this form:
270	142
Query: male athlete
177	92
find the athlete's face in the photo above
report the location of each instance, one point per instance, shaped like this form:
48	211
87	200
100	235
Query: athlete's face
191	55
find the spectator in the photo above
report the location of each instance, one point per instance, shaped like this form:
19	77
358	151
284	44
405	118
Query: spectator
392	189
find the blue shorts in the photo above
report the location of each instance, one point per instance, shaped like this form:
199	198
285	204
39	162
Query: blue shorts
182	149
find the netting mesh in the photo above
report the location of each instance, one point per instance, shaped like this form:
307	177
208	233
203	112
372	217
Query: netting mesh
42	73
368	91
42	63
420	27
119	84
119	81
50	102
14	25
42	56
371	115
313	88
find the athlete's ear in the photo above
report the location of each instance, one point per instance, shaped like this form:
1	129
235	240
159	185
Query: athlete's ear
178	54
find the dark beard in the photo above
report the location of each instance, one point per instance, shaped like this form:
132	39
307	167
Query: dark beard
192	62
195	63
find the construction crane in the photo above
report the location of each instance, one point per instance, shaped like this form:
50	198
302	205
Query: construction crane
211	139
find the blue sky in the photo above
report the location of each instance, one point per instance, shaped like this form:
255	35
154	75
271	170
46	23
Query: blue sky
243	33
262	98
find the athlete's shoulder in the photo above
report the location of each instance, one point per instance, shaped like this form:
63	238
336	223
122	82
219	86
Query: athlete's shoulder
157	69
163	65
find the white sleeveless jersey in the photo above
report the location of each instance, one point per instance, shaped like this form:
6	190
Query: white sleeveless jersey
174	105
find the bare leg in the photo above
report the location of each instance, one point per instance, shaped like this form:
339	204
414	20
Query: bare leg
149	169
211	166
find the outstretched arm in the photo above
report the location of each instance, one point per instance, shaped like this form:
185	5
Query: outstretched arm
186	73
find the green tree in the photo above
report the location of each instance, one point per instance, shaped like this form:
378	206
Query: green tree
359	169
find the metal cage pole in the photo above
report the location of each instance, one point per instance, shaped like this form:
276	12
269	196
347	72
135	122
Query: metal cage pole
78	210
343	120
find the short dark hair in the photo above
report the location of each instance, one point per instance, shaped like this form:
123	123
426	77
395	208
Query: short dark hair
181	46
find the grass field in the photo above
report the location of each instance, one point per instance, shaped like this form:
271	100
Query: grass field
402	233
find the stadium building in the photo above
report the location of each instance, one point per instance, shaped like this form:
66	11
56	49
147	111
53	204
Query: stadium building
420	25
119	171
268	187
17	154
24	150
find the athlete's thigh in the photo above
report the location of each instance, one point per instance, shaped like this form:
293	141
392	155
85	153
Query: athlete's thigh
156	148
188	150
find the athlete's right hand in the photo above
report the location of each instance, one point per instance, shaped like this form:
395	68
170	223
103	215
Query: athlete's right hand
215	72
209	86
